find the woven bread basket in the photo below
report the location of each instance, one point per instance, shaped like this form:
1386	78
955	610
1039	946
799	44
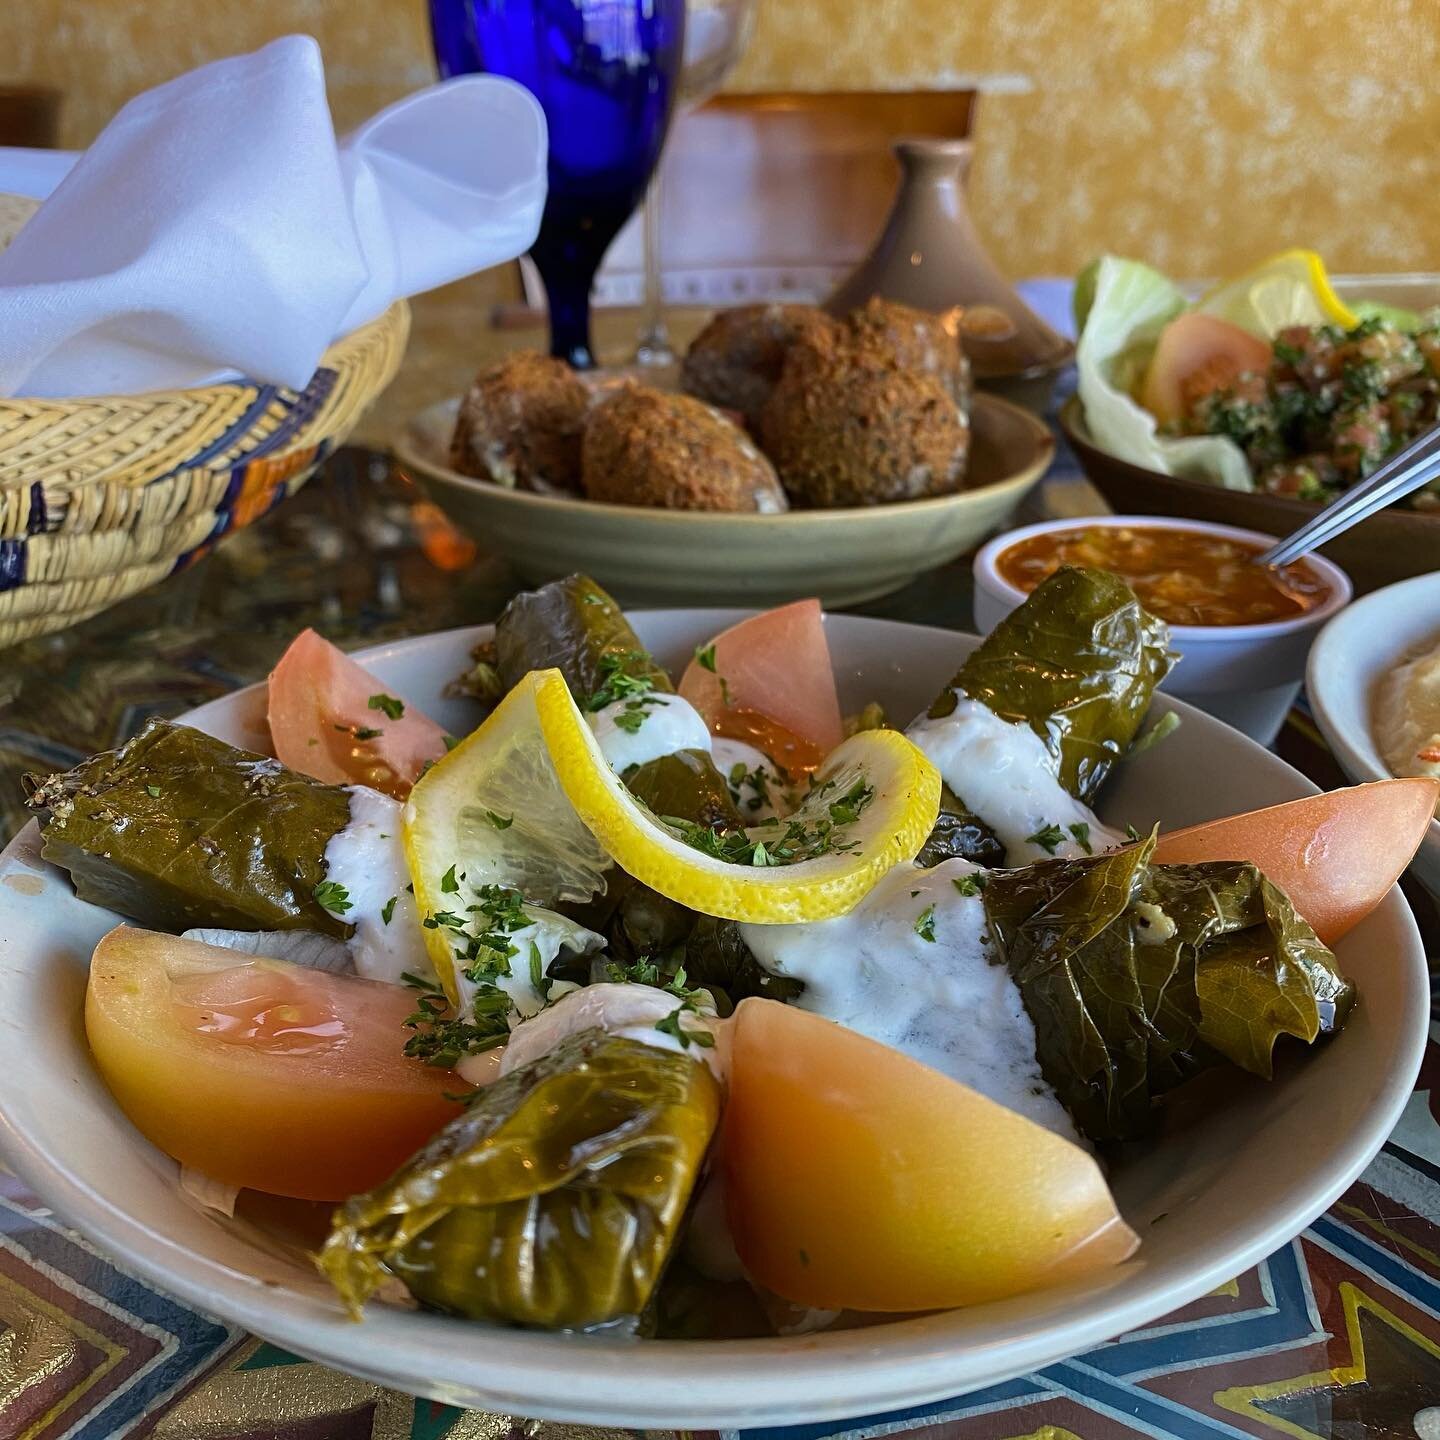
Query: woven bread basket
102	496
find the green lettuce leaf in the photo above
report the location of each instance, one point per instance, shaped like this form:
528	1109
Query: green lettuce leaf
1138	976
1127	305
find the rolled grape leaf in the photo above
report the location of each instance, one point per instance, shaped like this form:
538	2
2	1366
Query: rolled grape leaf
688	786
1139	976
176	829
553	1201
960	834
1078	662
573	626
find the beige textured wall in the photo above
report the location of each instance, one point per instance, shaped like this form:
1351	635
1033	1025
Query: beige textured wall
1199	133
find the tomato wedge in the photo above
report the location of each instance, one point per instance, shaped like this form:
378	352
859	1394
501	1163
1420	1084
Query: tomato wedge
1195	355
857	1178
774	666
1334	855
260	1073
323	724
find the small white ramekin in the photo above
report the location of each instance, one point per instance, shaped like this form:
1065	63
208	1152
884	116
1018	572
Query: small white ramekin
1247	675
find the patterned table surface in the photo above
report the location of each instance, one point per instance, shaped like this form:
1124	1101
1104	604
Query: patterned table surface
1336	1335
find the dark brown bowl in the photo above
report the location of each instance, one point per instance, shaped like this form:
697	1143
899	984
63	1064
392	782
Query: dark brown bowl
1390	546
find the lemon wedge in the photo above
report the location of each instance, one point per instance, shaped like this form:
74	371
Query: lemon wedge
494	809
530	801
1291	288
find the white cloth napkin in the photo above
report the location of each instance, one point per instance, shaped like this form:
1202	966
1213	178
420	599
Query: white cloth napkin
217	228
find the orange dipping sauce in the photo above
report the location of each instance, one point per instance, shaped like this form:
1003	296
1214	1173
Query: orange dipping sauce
1186	577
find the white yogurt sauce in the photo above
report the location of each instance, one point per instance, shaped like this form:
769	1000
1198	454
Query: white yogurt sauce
943	1002
550	934
668	724
1005	774
629	1010
753	803
367	857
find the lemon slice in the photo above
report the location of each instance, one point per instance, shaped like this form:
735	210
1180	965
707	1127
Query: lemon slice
1291	288
494	809
536	768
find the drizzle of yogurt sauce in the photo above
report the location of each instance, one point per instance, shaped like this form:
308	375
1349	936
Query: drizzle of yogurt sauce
367	857
629	1010
1008	777
668	724
753	804
945	1002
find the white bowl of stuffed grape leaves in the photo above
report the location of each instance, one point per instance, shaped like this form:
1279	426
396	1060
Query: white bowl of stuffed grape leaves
832	1101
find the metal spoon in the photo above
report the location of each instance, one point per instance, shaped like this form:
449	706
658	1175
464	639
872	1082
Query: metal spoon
1402	474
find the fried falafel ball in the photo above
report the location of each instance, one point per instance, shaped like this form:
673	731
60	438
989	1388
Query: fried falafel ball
847	426
673	452
520	424
917	339
736	359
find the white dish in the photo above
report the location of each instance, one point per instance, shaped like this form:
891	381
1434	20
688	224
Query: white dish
1209	1201
1247	675
1353	653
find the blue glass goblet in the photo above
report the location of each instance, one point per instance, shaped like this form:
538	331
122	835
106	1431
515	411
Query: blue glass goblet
605	73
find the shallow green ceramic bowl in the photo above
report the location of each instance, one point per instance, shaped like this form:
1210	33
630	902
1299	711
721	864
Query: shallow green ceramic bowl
662	557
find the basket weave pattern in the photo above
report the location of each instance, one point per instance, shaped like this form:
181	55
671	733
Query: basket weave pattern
103	496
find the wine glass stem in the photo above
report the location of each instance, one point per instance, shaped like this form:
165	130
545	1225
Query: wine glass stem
654	347
568	278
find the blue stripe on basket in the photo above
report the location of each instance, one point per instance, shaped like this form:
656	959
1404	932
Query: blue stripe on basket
307	403
264	397
12	564
39	513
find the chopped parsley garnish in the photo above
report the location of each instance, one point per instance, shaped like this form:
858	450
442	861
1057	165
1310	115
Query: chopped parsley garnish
925	924
972	884
153	791
616	681
443	919
670	1025
387	911
633	713
757	779
591	598
450	743
800	840
705	656
848	809
500	822
449	885
1131	833
540	982
359	732
392	707
724	691
1081	831
332	896
1049	838
442	1040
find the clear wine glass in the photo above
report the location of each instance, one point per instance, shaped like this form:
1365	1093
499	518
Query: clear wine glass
606	73
716	34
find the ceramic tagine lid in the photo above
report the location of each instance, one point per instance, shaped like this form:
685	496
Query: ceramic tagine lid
930	256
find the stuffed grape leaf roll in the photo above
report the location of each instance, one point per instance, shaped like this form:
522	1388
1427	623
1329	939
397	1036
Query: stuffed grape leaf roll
553	1201
177	829
1138	976
1078	663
